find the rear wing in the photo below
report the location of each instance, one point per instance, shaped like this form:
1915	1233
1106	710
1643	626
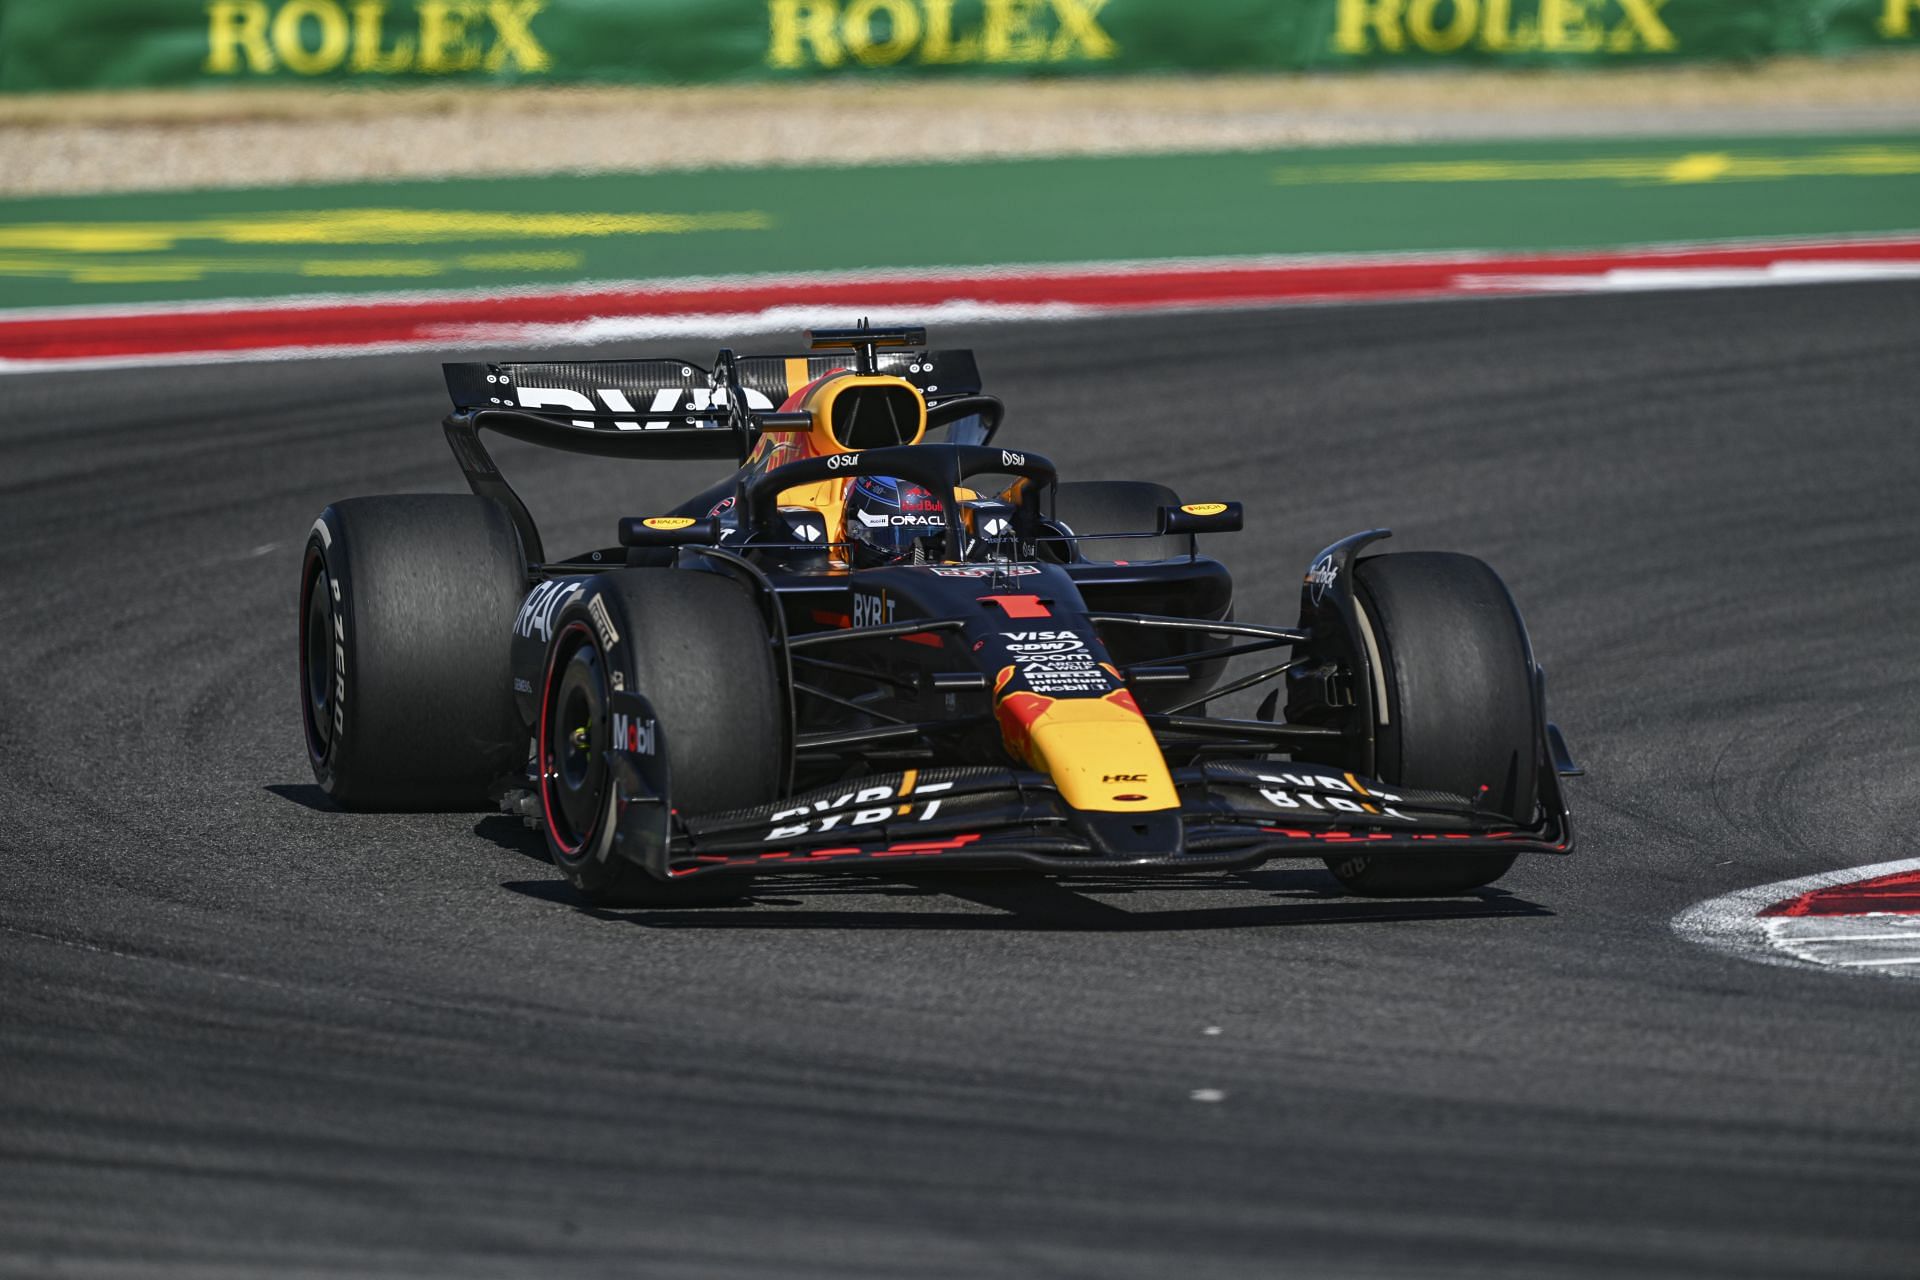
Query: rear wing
586	406
665	409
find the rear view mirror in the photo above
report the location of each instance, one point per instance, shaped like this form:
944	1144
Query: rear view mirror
1202	517
668	531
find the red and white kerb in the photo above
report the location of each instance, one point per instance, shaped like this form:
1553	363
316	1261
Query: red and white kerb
1860	920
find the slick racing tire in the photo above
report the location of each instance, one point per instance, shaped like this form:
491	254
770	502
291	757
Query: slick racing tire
1455	670
406	618
1118	506
695	646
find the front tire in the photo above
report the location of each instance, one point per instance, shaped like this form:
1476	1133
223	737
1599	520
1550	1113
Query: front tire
407	606
1457	674
696	647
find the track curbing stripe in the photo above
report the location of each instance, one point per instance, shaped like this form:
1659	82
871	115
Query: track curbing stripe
293	328
1733	923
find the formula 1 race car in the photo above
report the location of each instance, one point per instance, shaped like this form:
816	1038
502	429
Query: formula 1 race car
870	649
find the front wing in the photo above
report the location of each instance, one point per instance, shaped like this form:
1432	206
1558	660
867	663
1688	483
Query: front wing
1231	815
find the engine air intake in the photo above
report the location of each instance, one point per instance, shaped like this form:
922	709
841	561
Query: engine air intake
876	416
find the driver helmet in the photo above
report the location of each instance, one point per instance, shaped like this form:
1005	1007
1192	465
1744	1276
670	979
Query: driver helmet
893	522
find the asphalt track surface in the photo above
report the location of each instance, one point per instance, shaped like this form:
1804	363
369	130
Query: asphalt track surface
243	1034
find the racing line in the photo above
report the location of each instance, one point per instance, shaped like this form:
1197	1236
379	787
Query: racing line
244	1034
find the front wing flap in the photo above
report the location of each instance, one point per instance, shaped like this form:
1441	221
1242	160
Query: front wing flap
1231	815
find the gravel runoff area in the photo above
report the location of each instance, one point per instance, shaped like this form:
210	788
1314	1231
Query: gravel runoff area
95	142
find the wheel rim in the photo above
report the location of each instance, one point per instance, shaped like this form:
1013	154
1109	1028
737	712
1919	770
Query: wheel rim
574	742
316	663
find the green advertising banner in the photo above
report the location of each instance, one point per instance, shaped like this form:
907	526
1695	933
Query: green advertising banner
91	44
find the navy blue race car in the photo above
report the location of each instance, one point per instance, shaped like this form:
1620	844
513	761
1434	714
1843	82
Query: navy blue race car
889	640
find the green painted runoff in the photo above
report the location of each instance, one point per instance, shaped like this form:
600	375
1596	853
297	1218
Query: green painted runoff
558	230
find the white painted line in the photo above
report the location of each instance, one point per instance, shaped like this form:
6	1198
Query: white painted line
1732	924
1640	279
478	337
772	320
477	340
1107	266
381	324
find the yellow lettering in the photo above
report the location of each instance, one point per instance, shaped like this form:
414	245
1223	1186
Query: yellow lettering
1641	25
903	31
1433	39
1079	30
236	27
1010	36
1895	22
289	36
939	47
1566	27
445	43
1353	17
1497	32
802	22
369	33
513	35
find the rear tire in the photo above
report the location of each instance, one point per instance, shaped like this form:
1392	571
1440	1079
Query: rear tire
407	608
1118	506
1459	693
696	647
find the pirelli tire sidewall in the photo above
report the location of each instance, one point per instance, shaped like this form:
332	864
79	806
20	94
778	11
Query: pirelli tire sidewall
1457	676
695	645
406	609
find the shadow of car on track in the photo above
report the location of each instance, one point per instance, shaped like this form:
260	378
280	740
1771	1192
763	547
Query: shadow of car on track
306	795
1024	901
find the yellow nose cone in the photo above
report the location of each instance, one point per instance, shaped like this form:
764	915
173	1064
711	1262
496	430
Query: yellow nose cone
1102	756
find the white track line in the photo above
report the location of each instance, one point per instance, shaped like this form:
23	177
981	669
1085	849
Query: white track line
477	338
1225	263
1645	279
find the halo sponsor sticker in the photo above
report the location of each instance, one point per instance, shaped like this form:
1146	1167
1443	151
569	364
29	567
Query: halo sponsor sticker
983	570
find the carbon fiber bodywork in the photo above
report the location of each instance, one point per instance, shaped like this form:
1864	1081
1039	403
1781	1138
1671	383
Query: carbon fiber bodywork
1008	699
